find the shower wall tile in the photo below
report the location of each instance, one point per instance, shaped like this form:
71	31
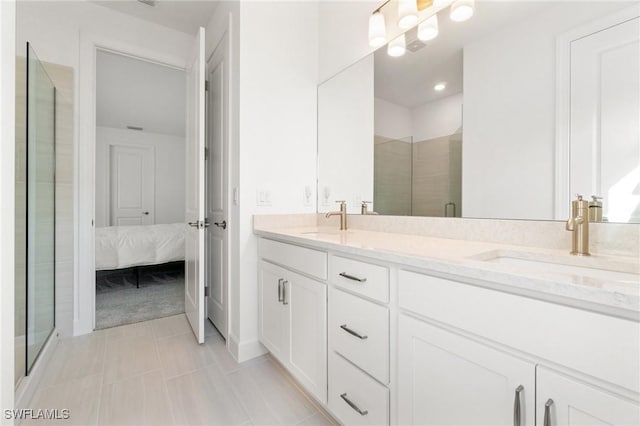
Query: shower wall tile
62	78
392	177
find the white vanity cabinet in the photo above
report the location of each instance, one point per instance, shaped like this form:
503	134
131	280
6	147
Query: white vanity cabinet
385	343
565	400
293	316
464	351
446	379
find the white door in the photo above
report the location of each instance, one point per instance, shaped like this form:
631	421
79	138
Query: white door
195	137
569	402
447	379
605	119
131	185
217	189
306	331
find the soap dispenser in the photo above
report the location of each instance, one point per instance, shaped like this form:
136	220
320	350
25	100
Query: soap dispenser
595	209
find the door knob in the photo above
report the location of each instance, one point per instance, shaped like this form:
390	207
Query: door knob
222	224
145	213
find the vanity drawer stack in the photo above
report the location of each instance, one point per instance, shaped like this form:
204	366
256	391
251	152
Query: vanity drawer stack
358	329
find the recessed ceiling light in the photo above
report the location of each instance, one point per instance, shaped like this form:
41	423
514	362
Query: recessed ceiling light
440	87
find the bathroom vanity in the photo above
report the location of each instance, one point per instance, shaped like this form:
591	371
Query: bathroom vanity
386	328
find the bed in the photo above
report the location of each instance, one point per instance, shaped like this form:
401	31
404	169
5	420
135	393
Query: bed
122	247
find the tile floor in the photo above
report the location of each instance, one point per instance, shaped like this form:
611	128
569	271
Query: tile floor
154	373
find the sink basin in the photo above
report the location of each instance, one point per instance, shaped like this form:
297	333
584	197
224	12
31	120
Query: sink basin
594	268
535	265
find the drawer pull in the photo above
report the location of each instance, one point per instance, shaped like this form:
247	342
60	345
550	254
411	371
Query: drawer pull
547	413
284	292
280	289
517	415
353	333
353	405
351	277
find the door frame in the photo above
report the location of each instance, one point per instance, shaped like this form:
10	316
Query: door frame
562	199
152	150
84	281
224	43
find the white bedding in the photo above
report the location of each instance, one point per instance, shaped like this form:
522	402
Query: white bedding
127	246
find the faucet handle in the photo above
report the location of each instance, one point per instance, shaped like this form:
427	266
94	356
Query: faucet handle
341	201
367	202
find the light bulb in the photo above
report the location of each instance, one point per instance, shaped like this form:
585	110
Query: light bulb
407	13
397	46
461	10
428	29
377	30
440	87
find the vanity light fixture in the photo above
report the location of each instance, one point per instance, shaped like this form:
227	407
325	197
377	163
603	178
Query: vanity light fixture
397	46
407	13
440	87
408	17
461	10
377	30
428	29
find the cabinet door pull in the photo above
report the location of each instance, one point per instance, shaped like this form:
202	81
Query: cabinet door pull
280	280
353	333
517	414
547	412
284	292
352	277
353	405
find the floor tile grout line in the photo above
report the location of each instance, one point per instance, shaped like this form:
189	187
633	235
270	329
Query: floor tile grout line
101	389
164	382
266	403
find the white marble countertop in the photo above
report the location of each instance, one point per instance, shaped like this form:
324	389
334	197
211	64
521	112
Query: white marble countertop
612	293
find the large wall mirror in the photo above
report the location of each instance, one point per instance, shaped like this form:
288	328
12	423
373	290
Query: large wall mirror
507	115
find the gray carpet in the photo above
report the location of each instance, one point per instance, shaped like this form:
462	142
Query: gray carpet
119	302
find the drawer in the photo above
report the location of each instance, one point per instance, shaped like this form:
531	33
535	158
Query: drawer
348	385
361	277
308	261
575	338
359	331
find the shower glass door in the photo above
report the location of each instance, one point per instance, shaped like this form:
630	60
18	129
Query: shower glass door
40	207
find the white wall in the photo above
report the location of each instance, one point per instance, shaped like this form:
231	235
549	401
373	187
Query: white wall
442	117
435	119
345	138
169	171
7	187
57	30
509	142
391	120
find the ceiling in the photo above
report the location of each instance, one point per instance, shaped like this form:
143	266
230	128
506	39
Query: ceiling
182	15
133	92
409	79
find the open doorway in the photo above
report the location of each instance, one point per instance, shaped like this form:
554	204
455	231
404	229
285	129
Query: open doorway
139	190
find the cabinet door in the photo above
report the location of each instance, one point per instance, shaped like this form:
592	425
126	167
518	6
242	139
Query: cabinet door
447	379
306	301
577	403
272	310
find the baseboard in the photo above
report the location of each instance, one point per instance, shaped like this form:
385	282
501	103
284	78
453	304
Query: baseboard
27	387
244	351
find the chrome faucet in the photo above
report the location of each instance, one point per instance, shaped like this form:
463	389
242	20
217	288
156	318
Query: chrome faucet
342	213
364	208
578	224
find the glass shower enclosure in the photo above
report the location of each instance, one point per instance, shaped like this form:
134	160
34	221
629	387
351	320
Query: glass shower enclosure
35	210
